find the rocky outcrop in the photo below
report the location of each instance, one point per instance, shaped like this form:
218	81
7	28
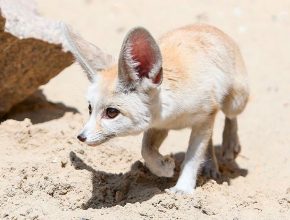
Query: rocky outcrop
31	51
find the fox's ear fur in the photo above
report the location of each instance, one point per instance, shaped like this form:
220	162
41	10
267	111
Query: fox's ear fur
91	58
140	59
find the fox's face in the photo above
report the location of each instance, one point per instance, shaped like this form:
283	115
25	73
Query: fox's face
121	97
114	111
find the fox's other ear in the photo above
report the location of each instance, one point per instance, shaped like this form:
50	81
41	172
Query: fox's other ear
140	59
91	58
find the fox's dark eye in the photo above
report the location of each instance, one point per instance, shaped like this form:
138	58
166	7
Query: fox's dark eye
112	112
90	109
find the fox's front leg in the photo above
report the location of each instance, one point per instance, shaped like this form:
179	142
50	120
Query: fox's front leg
199	140
157	164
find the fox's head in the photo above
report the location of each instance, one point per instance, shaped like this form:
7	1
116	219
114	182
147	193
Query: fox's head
120	97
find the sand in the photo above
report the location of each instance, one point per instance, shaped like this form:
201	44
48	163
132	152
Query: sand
47	174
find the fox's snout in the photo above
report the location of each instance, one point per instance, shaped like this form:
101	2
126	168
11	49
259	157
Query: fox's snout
93	138
82	137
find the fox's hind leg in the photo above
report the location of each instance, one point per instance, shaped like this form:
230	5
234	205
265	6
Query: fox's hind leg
157	164
231	145
234	104
211	167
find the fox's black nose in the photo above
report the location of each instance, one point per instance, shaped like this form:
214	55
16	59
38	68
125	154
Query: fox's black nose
82	137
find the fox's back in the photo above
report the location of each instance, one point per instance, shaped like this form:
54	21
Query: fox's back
198	43
199	56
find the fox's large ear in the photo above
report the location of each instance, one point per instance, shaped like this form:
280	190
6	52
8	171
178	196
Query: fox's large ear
91	58
140	59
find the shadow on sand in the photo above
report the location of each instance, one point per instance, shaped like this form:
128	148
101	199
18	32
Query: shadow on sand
38	109
139	184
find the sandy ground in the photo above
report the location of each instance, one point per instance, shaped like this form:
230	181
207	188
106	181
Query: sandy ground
47	174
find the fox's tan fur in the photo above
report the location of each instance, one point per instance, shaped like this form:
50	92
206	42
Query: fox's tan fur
203	72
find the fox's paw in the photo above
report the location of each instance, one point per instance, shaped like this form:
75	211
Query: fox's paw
230	148
211	170
180	190
164	167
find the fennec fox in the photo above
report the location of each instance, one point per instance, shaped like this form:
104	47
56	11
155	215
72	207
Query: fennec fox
180	82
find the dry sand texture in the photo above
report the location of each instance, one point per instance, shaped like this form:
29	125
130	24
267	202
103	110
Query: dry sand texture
47	174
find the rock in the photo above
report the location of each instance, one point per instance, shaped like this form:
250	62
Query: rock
119	196
31	51
63	163
81	151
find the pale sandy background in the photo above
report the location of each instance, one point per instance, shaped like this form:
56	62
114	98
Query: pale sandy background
47	174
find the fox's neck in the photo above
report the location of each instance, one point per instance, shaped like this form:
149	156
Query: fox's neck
161	106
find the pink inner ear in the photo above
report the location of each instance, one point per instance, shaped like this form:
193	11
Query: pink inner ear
143	53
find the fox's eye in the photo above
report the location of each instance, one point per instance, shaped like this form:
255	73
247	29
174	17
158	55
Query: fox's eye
112	112
90	109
